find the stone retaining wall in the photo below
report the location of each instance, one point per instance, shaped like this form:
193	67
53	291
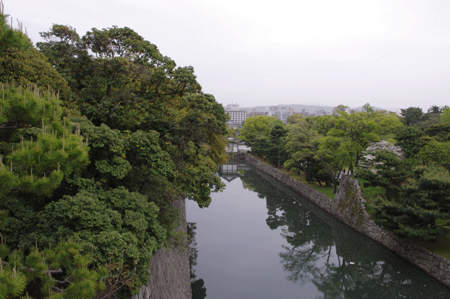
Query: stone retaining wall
237	155
348	206
170	270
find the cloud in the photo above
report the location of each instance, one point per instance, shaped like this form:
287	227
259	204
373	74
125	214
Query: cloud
286	52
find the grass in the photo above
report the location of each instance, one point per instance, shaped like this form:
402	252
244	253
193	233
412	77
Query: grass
328	191
440	247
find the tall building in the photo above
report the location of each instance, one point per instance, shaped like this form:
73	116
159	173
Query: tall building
237	116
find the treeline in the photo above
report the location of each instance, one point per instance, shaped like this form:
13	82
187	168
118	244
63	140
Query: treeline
99	135
407	164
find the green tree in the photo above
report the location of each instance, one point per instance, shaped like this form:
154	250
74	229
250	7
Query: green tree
423	200
277	151
439	132
355	130
64	51
386	122
367	108
435	152
302	142
445	117
11	40
44	269
409	138
302	145
315	172
294	118
198	289
430	118
411	115
109	182
388	172
42	147
335	157
434	109
128	85
256	132
20	62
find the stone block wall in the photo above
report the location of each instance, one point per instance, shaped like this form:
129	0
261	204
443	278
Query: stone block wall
348	206
170	270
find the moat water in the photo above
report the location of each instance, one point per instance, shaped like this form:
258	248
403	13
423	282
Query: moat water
258	239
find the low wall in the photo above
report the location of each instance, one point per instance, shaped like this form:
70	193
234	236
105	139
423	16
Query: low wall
237	155
348	206
170	270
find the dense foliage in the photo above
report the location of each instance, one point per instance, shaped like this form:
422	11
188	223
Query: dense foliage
323	146
415	203
99	135
414	199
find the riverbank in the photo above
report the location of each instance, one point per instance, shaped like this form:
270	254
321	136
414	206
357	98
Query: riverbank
348	207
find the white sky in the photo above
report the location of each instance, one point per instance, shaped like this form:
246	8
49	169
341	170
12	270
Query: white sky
389	53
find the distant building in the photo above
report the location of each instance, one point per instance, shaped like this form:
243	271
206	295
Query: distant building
281	112
321	112
232	107
237	116
255	113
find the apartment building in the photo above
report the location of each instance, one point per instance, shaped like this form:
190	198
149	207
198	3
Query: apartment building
237	116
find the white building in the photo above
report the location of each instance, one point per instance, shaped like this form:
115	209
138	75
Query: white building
237	117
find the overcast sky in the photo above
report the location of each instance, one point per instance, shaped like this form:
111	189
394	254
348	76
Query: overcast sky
392	54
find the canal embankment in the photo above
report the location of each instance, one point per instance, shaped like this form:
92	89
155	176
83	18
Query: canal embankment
169	268
348	206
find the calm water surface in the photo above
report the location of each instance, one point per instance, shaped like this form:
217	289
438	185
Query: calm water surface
258	239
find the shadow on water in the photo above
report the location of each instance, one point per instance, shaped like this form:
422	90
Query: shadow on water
197	285
340	262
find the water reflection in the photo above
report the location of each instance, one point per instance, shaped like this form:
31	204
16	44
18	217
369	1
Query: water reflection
338	261
232	170
197	285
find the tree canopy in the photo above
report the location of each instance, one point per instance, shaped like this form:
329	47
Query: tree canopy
414	204
412	200
334	141
99	136
256	132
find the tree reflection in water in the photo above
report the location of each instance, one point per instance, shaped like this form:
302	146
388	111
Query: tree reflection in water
340	262
197	285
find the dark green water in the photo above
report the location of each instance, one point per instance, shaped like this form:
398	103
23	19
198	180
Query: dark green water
260	240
